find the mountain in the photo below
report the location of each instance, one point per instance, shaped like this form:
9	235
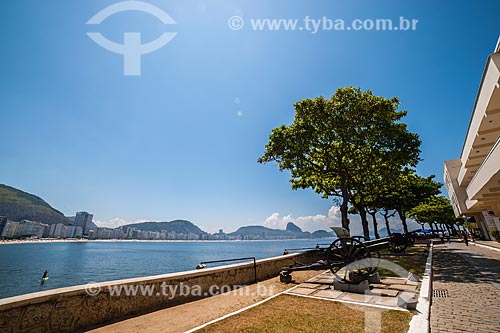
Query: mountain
383	231
261	232
17	205
292	231
321	234
297	231
293	227
177	226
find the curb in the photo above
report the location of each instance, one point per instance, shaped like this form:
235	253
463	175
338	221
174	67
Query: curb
420	323
486	246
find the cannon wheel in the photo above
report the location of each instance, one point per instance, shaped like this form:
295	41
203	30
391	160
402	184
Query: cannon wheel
285	277
345	251
398	243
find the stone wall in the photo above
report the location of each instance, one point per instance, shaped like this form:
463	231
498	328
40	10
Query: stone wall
81	307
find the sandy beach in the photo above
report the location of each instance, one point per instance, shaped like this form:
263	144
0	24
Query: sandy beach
44	240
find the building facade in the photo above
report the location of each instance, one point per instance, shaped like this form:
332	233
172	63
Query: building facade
24	229
82	220
3	223
473	180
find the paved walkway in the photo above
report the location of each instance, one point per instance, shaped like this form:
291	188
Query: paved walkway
393	293
469	279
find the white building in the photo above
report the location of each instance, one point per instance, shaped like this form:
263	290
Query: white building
24	228
52	230
58	231
473	180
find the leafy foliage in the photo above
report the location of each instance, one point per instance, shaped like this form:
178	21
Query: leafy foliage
343	146
436	209
405	191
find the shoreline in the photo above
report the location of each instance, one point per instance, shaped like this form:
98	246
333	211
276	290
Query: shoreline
57	240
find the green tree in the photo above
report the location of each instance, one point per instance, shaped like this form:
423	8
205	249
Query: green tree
362	213
332	144
435	210
407	191
368	197
387	213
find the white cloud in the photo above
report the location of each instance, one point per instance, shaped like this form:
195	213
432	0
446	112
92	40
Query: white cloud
276	222
333	218
306	223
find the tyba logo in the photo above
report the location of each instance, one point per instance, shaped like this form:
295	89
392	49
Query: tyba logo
131	49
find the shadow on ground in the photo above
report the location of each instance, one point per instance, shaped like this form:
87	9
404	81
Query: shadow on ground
457	265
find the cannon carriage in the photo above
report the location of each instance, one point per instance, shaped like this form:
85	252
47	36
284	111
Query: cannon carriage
346	251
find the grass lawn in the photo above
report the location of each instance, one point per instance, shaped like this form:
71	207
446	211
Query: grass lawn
413	260
288	313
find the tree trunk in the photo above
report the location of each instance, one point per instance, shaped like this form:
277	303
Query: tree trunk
402	217
387	224
375	224
364	222
345	216
344	208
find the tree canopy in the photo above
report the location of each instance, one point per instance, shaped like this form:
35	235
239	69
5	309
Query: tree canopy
436	209
405	191
344	145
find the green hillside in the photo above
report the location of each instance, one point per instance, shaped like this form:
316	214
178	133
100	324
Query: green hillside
177	226
17	205
264	232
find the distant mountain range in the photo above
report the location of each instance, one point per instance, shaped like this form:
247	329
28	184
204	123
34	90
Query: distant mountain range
291	231
322	234
177	226
17	205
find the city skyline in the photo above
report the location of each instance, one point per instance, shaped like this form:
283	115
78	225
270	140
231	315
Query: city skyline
181	141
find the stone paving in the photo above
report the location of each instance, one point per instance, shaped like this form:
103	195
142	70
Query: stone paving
397	293
469	278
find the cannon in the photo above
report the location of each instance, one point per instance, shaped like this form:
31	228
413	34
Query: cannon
346	250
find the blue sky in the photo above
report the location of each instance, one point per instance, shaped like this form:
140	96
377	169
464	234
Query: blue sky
181	141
